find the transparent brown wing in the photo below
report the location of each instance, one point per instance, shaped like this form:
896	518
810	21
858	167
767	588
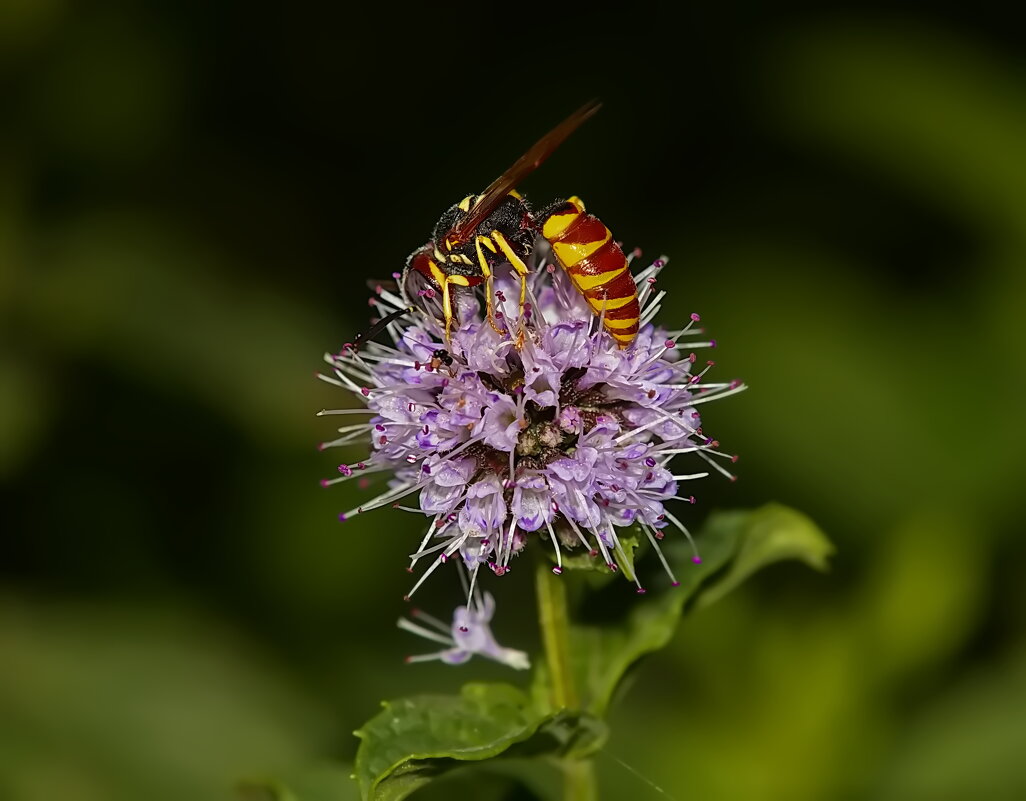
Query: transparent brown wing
524	166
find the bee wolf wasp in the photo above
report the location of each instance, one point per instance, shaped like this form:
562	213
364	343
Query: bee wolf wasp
482	232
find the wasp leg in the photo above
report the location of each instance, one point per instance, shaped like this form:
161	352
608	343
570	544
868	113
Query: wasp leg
447	311
516	262
486	271
447	308
521	271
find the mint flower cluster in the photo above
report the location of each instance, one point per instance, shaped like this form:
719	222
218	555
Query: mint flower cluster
543	433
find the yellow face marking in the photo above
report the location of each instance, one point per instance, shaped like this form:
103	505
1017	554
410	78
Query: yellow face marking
572	253
465	203
586	282
459	280
516	194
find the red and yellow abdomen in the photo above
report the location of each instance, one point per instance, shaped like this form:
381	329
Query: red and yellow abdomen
597	267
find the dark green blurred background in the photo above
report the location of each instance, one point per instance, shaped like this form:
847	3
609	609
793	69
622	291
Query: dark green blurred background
191	198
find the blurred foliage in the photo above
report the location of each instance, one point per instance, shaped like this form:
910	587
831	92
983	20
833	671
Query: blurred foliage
413	741
193	197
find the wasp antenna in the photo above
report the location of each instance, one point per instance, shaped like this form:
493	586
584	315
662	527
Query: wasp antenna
377	328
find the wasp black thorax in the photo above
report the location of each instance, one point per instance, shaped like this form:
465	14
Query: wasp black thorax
511	218
446	259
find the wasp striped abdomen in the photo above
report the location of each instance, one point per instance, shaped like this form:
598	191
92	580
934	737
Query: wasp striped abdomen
597	267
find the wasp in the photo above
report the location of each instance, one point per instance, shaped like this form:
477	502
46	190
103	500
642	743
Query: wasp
497	227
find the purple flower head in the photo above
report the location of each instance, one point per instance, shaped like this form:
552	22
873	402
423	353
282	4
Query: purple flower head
545	432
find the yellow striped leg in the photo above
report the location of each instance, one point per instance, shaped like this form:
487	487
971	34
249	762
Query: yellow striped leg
447	311
517	262
522	272
486	271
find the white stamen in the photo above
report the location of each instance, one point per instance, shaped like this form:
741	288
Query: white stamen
431	620
658	551
711	396
577	531
473	582
508	544
716	466
427	634
653	308
431	532
555	545
424	657
454	545
385	498
683	529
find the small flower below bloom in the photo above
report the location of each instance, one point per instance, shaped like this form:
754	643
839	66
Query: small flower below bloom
469	634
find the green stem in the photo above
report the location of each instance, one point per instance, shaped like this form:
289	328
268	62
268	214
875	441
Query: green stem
579	780
554	619
555	629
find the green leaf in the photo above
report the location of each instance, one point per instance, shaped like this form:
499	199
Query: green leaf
733	545
771	533
499	780
412	740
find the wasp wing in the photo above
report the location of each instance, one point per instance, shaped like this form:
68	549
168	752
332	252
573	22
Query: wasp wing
524	166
